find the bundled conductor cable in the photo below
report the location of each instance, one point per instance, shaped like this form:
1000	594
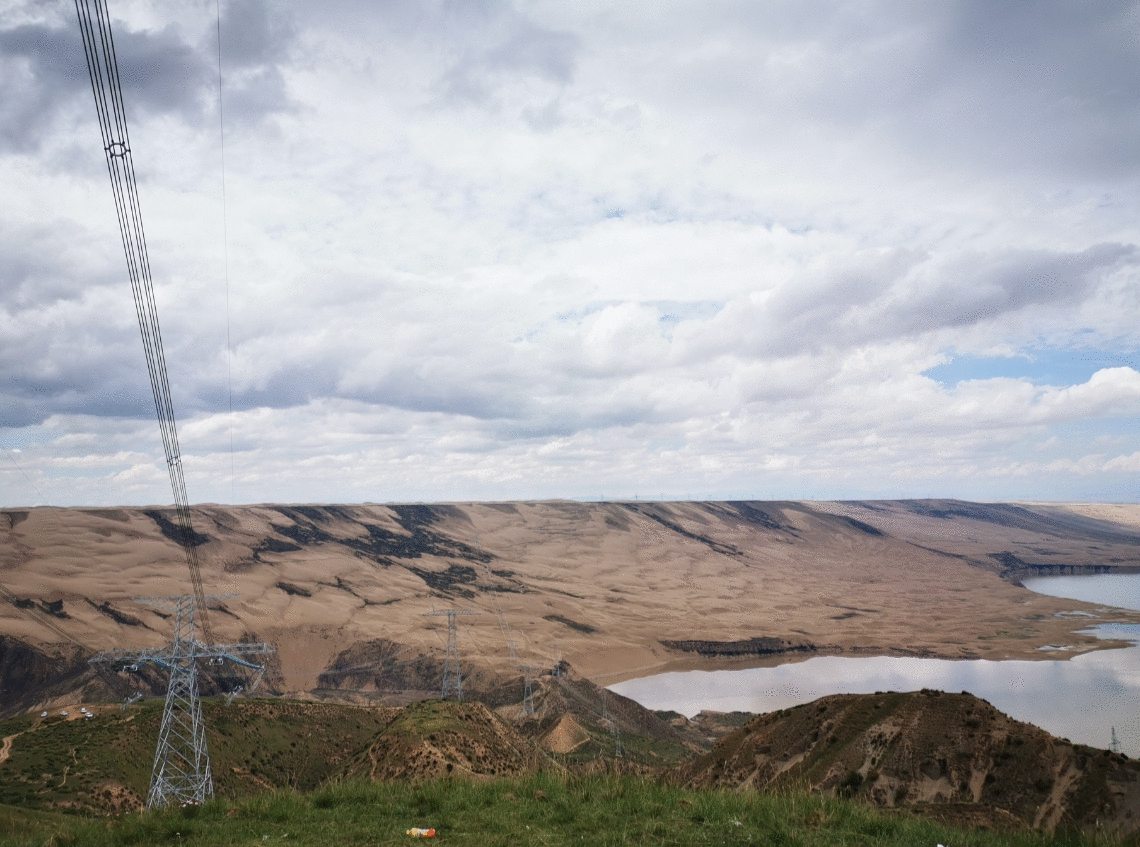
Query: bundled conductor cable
102	66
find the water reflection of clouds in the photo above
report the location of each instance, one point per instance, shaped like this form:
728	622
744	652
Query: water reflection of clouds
1081	699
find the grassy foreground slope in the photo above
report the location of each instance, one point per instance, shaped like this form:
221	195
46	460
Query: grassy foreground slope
544	809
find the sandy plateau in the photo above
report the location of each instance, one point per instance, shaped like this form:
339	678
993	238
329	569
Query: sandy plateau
603	586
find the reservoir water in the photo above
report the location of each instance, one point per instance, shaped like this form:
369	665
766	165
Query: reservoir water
1082	699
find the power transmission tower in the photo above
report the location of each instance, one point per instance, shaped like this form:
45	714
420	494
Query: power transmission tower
528	692
181	770
614	731
452	681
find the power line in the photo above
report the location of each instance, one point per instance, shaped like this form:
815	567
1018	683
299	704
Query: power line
103	70
225	248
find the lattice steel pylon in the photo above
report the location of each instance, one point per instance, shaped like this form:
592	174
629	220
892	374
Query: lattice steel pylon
181	770
528	692
614	731
452	680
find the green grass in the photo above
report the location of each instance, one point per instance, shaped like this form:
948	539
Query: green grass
254	745
543	810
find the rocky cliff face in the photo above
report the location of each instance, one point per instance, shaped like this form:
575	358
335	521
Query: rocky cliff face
928	750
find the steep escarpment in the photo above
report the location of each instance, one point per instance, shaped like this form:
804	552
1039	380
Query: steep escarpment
743	648
928	751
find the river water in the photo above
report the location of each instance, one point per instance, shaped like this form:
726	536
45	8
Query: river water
1082	699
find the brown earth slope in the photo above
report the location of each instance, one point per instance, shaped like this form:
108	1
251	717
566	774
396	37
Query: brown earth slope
950	755
435	738
617	589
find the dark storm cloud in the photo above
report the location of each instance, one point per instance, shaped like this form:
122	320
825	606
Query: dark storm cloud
1007	284
43	69
32	272
47	373
477	49
288	388
162	72
1060	79
457	393
256	38
255	32
514	52
906	293
47	74
1021	86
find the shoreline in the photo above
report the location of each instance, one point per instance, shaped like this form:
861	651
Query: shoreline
680	663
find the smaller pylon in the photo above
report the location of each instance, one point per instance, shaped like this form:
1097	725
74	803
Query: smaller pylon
528	692
614	731
452	680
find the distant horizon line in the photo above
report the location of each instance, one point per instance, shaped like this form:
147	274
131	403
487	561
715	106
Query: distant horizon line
635	499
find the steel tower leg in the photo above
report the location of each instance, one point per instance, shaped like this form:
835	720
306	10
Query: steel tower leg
181	771
451	679
528	693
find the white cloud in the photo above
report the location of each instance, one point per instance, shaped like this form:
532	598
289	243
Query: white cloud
514	250
1128	464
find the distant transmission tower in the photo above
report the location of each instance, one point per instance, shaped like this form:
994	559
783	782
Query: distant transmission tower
614	731
1115	741
452	681
181	771
528	692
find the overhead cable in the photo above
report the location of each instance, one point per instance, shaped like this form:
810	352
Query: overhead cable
103	69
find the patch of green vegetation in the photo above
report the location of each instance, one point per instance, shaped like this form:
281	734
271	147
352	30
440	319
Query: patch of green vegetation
425	717
104	762
855	723
542	810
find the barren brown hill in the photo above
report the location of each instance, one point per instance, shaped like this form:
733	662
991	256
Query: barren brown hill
617	589
437	738
950	755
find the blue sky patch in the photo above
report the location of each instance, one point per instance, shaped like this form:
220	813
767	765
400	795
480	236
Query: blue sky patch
1041	367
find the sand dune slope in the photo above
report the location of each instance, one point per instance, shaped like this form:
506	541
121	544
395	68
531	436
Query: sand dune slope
600	585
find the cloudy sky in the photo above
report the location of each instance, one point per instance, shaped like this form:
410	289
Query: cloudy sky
481	249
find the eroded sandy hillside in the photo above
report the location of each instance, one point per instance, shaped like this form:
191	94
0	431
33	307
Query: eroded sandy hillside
601	585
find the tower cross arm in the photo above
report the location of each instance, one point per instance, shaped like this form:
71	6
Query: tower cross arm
164	654
234	650
136	656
